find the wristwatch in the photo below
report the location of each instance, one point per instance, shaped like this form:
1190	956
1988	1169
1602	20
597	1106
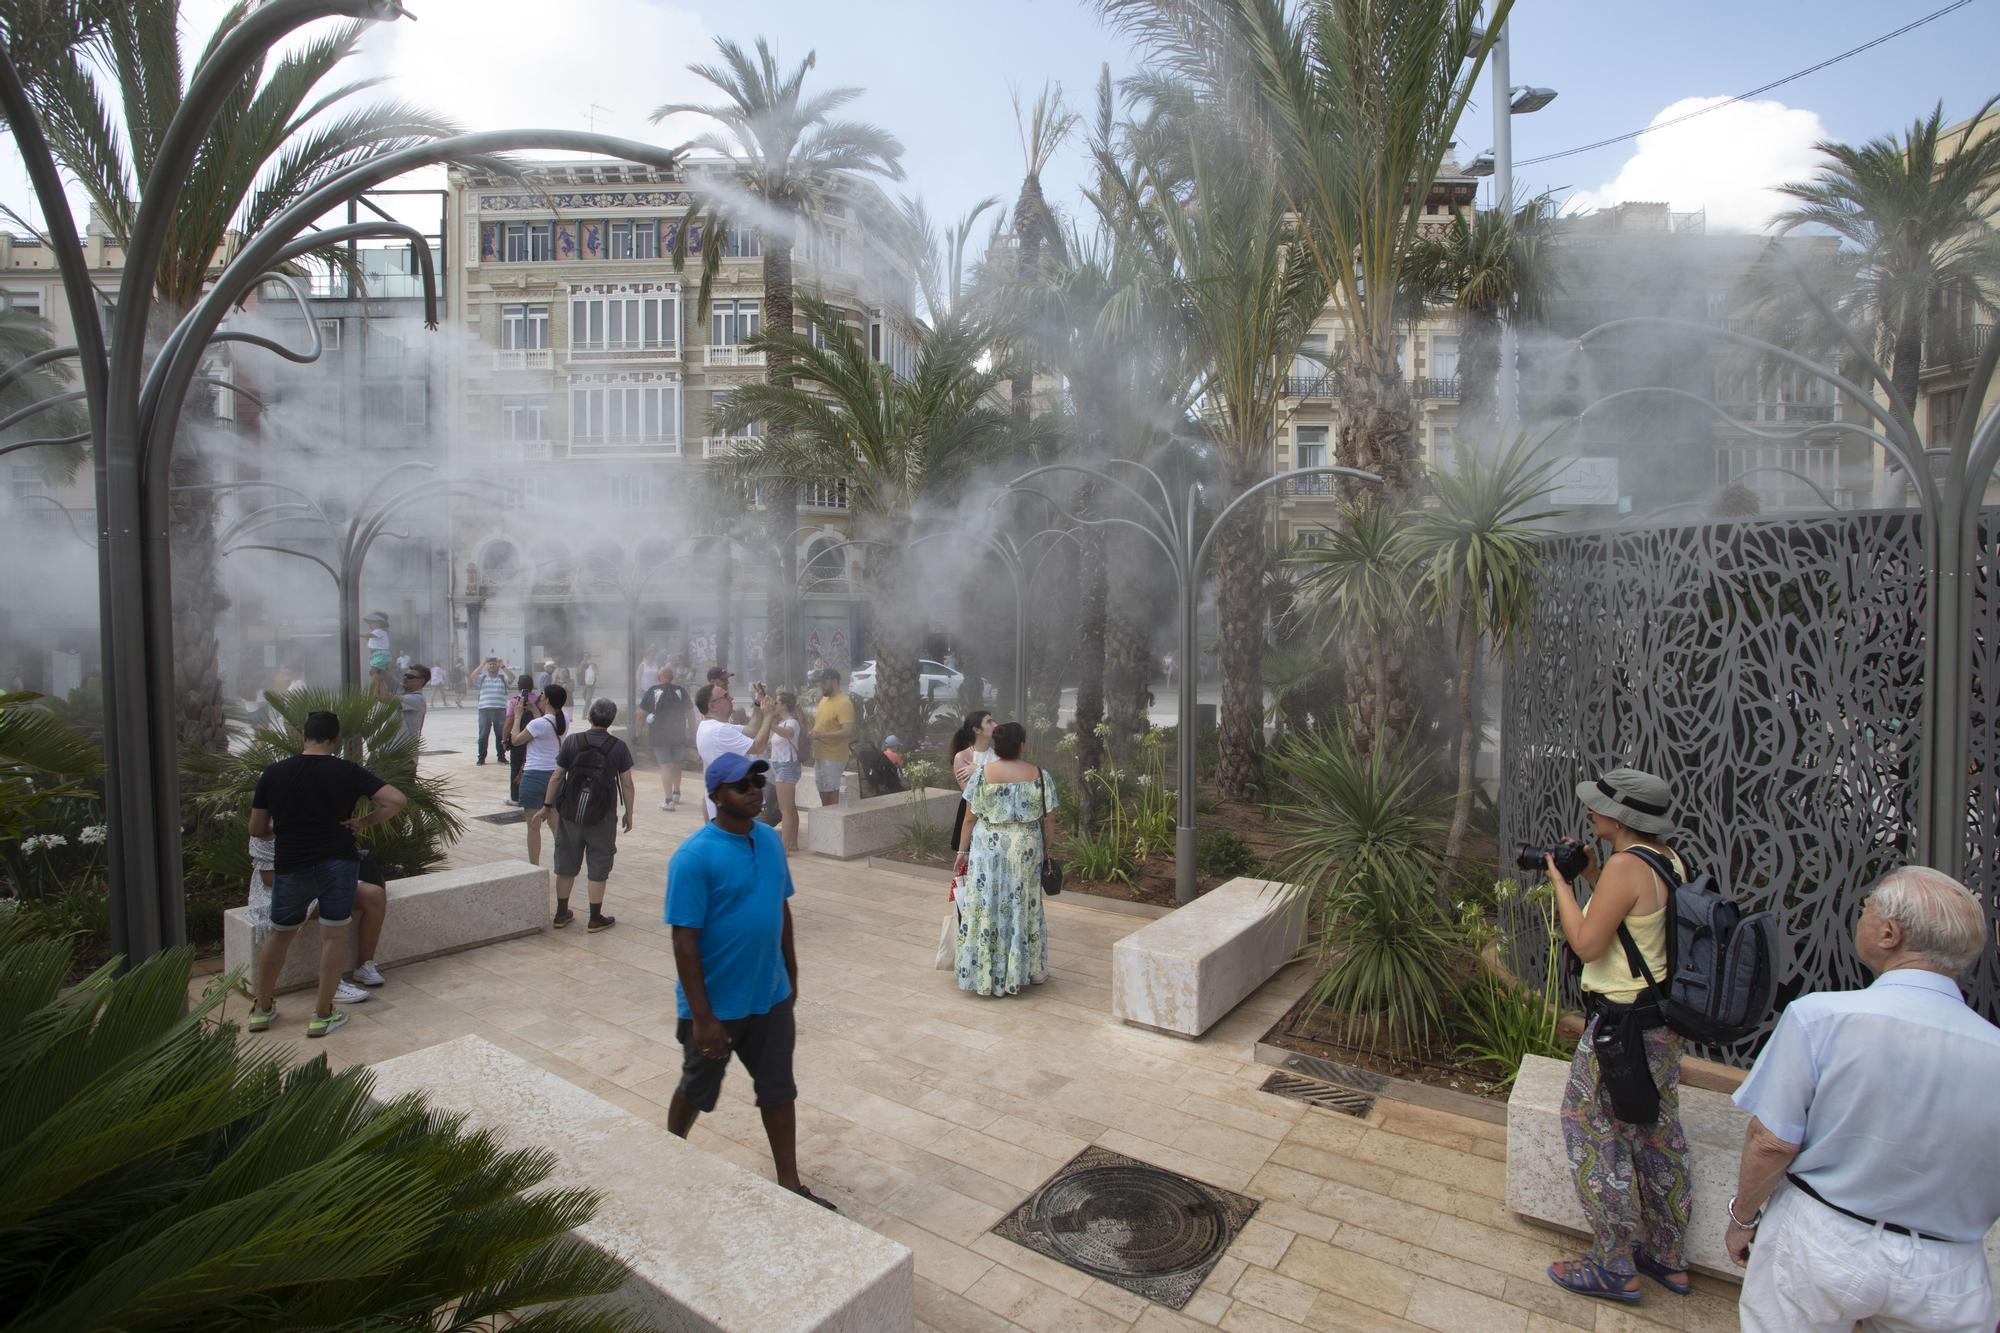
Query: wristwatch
1755	1217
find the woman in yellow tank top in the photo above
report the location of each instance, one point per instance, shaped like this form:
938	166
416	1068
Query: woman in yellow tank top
1632	1179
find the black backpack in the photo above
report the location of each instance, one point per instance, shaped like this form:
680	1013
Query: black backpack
1722	962
590	792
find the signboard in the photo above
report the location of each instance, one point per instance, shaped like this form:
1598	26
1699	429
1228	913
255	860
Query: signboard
1586	481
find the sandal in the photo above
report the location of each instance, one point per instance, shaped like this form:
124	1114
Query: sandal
810	1197
1660	1273
1586	1278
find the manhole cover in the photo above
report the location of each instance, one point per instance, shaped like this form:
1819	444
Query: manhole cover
505	817
1148	1230
1347	1101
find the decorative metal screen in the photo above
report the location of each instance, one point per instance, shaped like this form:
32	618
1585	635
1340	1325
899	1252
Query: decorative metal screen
1772	672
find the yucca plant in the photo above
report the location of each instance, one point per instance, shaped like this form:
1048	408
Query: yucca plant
160	1177
1368	851
411	844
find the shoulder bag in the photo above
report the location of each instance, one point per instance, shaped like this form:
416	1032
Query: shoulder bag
1052	871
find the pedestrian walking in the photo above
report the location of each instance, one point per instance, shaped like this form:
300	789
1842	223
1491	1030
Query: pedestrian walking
670	719
593	778
728	888
716	735
1003	942
785	766
587	673
1872	1134
309	801
832	736
490	685
1621	1109
540	734
520	708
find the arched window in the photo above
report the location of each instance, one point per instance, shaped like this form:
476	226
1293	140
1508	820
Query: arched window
498	565
825	562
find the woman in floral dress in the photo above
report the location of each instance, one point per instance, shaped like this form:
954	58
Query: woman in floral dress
1002	934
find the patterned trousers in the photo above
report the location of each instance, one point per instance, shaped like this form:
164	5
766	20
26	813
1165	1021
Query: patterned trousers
1632	1179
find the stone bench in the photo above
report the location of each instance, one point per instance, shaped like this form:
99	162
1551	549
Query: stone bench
1182	973
1540	1187
428	915
710	1245
873	824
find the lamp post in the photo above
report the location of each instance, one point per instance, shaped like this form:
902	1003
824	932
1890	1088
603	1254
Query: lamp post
1172	524
1508	102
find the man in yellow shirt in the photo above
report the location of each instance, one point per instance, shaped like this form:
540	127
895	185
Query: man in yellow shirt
832	737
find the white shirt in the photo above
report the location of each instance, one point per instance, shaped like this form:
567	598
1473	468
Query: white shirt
712	740
785	741
1889	1091
543	745
378	640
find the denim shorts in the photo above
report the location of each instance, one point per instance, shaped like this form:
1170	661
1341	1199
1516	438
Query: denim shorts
331	883
827	773
787	772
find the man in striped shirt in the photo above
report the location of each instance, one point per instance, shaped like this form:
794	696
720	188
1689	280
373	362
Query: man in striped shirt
492	681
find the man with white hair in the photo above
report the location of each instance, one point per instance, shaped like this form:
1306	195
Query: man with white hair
1873	1134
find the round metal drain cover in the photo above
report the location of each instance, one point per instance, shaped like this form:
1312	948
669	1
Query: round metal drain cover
1116	1221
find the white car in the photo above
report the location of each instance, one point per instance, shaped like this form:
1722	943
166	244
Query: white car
936	681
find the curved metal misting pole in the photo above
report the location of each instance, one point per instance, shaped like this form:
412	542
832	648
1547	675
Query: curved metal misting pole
43	443
34	362
1793	473
1716	409
331	572
69	515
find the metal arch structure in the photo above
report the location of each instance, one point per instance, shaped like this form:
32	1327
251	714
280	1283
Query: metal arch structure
135	406
1173	525
1950	483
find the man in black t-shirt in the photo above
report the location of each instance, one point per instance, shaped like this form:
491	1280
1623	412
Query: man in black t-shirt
309	800
610	761
669	716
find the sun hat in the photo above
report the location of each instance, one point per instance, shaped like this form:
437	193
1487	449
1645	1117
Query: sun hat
1635	799
732	767
373	616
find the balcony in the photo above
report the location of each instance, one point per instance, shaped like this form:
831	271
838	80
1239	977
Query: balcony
731	355
1442	388
524	358
822	495
634	350
1319	487
1780	414
623	446
727	446
1951	347
1313	386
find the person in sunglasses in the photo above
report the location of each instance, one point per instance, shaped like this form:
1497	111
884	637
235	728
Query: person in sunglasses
727	888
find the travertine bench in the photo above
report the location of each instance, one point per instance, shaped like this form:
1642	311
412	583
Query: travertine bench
874	824
710	1245
428	915
1540	1187
1185	971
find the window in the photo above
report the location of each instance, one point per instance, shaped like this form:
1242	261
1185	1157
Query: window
329	334
743	243
732	323
1306	369
1310	448
524	327
399	403
825	562
624	323
529	242
819	338
29	303
1942	411
1444	449
524	418
625	415
384	353
1444	356
629	239
25	479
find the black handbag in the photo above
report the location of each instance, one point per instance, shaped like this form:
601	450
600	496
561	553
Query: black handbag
1052	871
1619	1042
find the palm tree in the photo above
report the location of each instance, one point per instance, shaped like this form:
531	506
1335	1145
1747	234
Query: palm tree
277	139
1215	215
1038	235
1483	268
23	335
1477	555
789	159
1918	213
1358	582
892	442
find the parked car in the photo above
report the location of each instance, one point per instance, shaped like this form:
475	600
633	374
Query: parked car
936	680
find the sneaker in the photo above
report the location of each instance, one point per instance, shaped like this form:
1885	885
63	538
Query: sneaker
260	1020
319	1027
368	974
666	805
598	923
563	919
349	993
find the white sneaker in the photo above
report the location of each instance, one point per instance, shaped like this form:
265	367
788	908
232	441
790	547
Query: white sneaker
666	805
349	993
368	974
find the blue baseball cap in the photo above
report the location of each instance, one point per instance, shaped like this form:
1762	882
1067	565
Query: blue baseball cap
732	767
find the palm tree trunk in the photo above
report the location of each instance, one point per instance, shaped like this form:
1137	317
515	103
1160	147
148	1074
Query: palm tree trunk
1468	734
1091	607
782	663
1239	600
1478	375
198	605
1906	358
1377	434
1125	663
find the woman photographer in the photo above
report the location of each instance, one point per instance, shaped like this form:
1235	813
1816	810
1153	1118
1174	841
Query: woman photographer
1621	1110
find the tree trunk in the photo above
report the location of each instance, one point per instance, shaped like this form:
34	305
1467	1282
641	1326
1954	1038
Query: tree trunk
1126	658
198	605
1906	357
1051	608
1468	736
1377	434
1239	602
1092	595
1478	377
783	666
1030	212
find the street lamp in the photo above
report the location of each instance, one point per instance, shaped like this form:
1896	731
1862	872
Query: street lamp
1508	102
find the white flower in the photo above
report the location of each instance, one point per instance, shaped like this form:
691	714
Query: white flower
1145	779
30	844
93	834
54	840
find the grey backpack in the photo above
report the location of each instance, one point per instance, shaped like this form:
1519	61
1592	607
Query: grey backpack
1722	962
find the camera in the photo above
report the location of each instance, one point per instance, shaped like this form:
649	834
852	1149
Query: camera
1572	858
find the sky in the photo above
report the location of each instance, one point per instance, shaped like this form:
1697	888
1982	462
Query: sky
939	74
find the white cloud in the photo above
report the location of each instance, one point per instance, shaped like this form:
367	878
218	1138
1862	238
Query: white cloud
1729	162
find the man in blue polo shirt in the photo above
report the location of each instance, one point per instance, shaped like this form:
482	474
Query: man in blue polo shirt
726	892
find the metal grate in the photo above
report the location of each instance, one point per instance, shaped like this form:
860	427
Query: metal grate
1347	1101
505	817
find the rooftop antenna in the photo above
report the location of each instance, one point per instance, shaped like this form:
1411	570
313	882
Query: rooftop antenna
591	115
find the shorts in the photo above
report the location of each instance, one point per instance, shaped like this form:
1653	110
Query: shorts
534	788
763	1042
379	660
670	754
827	773
330	883
787	772
596	843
